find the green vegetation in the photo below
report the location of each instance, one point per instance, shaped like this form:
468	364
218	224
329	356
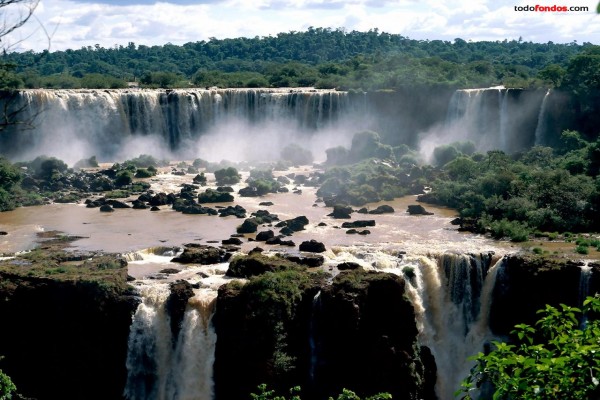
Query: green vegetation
319	57
265	394
556	359
227	176
543	189
7	387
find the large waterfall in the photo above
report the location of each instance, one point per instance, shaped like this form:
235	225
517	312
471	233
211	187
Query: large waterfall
495	118
161	368
105	122
452	299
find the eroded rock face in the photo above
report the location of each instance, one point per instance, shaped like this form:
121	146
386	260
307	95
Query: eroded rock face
65	339
357	333
200	254
526	284
176	303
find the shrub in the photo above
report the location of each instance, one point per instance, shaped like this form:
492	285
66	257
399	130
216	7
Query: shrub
227	176
554	360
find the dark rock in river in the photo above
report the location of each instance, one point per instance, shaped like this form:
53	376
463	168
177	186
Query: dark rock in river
176	303
257	264
312	246
417	209
341	212
346	266
3	233
200	254
249	225
383	209
309	260
358	224
265	235
232	241
265	203
238	211
117	204
106	208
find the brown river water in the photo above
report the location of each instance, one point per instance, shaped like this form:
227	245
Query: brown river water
128	230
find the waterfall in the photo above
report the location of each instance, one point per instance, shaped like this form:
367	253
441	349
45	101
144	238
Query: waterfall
503	101
584	289
314	351
540	127
103	121
452	300
160	369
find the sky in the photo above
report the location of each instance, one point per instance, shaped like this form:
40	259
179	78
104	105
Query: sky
73	24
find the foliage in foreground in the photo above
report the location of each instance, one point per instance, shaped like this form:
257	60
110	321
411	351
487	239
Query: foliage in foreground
7	387
556	359
265	394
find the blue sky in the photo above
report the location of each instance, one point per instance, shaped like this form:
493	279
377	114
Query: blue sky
78	23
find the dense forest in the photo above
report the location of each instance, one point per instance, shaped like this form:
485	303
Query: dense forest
320	57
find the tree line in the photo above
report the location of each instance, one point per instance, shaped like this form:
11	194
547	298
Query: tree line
321	57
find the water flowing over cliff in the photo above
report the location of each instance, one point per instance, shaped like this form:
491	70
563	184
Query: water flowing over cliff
496	118
102	122
167	365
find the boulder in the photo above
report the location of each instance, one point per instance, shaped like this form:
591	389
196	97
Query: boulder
312	246
417	209
250	225
341	212
200	254
348	266
238	211
383	209
232	241
358	224
265	235
106	208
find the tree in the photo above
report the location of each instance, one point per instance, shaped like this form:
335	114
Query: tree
557	359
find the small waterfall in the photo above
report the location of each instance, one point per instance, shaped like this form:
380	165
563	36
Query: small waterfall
584	289
159	369
503	101
540	132
314	351
452	300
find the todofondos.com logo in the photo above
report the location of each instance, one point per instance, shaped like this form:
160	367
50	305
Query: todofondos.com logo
553	8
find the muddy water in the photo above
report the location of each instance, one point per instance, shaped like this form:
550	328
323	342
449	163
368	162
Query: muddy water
128	230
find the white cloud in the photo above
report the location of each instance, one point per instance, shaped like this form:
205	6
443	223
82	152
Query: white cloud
80	23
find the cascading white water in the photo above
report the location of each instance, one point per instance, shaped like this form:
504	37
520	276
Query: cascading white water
584	289
452	299
503	101
160	369
541	124
102	121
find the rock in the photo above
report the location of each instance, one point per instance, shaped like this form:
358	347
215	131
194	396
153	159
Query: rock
351	231
312	246
288	243
200	254
3	233
265	216
283	180
106	208
358	224
169	271
417	209
138	205
363	211
286	231
213	196
257	264
233	241
238	211
364	232
383	209
249	225
456	221
341	212
255	250
248	191
226	189
273	240
117	204
283	189
322	224
265	235
159	199
348	266
176	303
155	208
265	203
310	260
297	224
